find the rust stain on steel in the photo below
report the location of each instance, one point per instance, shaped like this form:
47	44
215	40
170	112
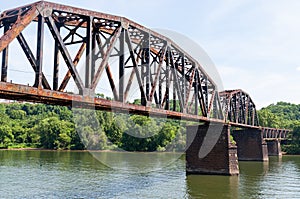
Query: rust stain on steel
75	62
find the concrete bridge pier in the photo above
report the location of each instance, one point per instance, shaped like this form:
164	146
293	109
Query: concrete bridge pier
250	144
274	147
209	150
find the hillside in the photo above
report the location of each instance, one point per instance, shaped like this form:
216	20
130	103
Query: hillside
283	115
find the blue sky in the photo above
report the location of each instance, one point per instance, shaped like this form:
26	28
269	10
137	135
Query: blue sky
254	44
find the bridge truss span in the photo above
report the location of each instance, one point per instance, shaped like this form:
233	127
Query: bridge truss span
90	47
238	107
64	48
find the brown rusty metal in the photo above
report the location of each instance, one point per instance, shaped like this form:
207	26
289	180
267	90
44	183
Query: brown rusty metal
176	81
135	65
67	77
4	65
176	68
189	88
274	133
108	71
17	27
31	58
240	107
39	52
105	59
211	104
64	52
158	70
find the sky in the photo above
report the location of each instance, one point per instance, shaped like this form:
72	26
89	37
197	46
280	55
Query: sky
254	44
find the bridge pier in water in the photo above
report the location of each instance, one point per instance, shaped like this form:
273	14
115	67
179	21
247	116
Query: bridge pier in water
209	150
274	147
250	144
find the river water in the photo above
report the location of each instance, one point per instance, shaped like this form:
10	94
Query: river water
53	174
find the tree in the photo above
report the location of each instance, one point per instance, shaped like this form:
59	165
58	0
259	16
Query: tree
268	119
55	134
6	136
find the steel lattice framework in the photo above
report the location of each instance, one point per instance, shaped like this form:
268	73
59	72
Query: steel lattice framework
238	107
168	77
170	82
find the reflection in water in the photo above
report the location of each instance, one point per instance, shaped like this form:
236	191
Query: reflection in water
208	186
55	174
251	174
136	162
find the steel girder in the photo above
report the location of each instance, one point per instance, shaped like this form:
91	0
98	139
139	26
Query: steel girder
168	77
273	134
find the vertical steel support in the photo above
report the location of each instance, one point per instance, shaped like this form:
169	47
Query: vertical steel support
4	59
94	58
88	60
146	68
206	91
39	52
167	73
174	93
196	90
121	65
147	65
56	62
183	82
160	88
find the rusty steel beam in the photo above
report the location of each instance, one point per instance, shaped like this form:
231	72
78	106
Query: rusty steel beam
121	65
107	69
88	52
31	58
105	58
68	75
158	71
176	81
18	26
4	59
189	88
39	52
135	66
64	52
56	63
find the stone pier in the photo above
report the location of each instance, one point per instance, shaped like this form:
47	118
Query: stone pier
250	145
209	150
274	147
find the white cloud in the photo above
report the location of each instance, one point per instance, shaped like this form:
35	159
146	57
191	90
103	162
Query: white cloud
298	68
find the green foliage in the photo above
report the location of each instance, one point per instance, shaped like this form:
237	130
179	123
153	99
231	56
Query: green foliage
283	115
58	127
268	119
6	136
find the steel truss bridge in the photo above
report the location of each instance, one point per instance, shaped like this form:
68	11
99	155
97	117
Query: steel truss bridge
88	47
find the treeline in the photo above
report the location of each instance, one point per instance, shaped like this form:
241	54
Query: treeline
58	127
283	115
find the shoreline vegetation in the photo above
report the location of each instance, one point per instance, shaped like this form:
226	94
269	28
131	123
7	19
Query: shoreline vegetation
26	126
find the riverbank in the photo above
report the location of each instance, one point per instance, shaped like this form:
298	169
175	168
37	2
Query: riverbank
68	150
